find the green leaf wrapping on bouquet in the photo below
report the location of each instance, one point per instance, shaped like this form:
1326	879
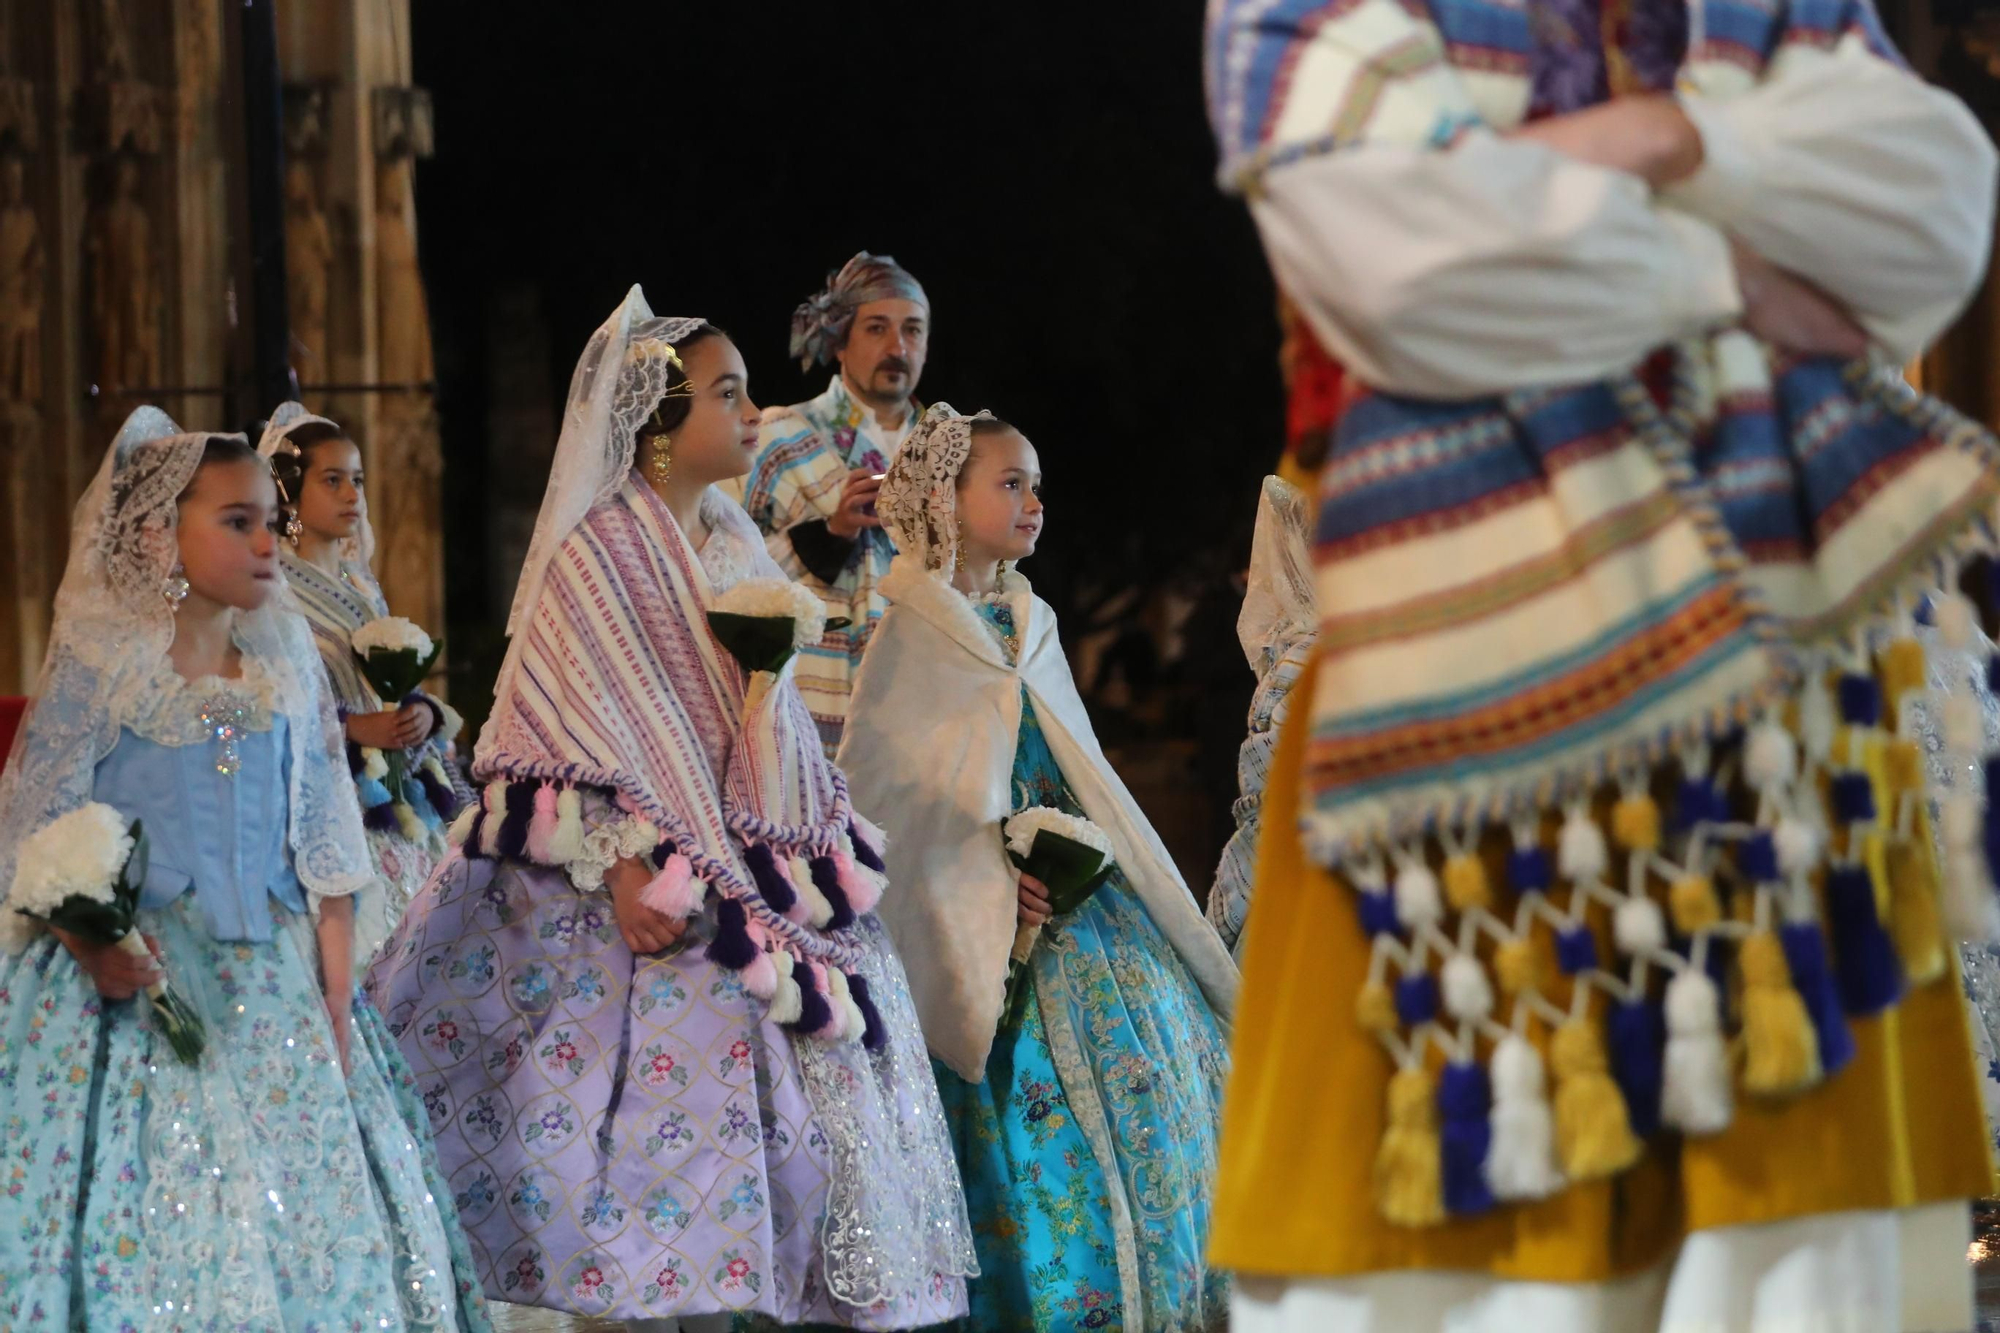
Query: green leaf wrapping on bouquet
394	673
1070	870
759	643
133	877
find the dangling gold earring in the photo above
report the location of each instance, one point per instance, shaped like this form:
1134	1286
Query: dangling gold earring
661	465
293	529
958	550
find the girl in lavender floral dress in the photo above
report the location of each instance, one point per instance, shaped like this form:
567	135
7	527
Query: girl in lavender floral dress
671	1062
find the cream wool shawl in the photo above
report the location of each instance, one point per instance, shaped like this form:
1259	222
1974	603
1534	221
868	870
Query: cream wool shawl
929	752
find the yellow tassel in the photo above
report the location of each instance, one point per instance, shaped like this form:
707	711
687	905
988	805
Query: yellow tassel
1635	823
1517	967
1875	855
1916	914
1694	904
1904	763
1465	882
1375	1010
1901	670
1594	1137
1409	1177
1780	1046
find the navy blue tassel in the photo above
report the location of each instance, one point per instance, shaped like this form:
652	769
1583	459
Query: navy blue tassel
1757	858
1993	662
814	1011
380	817
1637	1035
1860	700
772	882
1417	999
1926	612
512	841
442	798
1576	950
1805	954
876	1036
827	880
1853	798
865	854
731	948
1528	870
1378	913
1700	802
356	761
1864	955
1465	1100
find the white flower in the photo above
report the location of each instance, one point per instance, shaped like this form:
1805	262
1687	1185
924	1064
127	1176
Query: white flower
1022	828
778	599
391	634
81	853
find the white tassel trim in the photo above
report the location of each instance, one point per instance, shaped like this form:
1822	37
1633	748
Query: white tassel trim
1521	1163
1696	1096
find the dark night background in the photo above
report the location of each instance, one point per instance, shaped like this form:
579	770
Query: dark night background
1046	171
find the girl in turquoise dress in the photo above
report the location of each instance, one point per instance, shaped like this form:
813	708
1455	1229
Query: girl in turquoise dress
284	1179
1086	1107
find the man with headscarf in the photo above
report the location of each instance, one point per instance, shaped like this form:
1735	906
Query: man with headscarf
819	463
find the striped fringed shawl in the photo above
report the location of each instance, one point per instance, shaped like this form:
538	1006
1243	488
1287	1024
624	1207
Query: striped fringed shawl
619	683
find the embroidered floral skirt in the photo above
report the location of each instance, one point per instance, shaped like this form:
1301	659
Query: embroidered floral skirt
1089	1151
260	1189
624	1135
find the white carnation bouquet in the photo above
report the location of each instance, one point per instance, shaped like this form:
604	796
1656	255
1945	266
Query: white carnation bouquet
1070	856
395	656
82	873
763	623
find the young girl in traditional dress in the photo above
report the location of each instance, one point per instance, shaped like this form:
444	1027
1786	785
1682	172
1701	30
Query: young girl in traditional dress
672	1063
325	556
285	1178
1085	1115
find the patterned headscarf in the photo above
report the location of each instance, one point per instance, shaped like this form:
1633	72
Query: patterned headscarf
820	325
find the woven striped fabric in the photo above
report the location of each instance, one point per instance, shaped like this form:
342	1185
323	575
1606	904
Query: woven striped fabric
336	607
1289	79
622	684
1522	598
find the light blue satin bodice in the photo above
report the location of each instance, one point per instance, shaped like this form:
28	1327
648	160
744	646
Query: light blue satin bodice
221	836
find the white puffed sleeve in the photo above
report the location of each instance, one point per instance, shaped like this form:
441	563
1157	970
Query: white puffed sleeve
1858	176
1492	265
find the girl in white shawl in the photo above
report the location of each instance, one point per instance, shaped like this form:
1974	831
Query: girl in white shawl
1085	1114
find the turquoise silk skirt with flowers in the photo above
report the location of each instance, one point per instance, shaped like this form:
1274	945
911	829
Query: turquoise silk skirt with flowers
262	1189
1089	1150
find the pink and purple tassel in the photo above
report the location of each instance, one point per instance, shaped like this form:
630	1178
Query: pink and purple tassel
542	826
772	881
863	890
675	892
732	947
876	1035
826	879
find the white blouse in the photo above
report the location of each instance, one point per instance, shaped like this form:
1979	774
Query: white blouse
1500	264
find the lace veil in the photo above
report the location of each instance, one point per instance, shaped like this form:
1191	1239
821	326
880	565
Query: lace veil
107	661
918	502
620	378
277	439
